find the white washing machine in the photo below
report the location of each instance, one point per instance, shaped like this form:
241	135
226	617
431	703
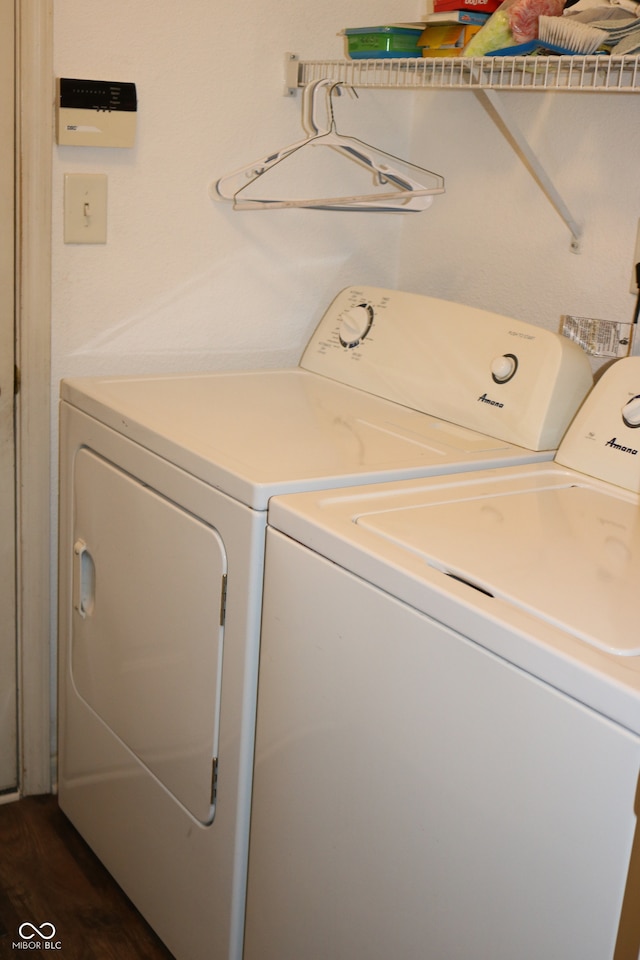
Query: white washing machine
165	483
448	727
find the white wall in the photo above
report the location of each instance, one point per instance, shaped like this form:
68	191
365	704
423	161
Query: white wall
184	282
494	240
187	283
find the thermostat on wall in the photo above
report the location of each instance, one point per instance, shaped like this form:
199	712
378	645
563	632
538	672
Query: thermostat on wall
96	113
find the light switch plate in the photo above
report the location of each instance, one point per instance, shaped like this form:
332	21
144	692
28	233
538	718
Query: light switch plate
85	208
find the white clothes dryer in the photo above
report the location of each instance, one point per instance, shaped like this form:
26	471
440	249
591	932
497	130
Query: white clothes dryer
448	730
165	483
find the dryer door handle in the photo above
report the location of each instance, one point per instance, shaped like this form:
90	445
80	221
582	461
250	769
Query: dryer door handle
84	579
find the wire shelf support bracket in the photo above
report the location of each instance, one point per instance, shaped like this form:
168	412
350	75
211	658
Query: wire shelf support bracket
496	109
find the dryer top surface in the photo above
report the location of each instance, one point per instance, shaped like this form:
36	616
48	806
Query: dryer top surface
260	433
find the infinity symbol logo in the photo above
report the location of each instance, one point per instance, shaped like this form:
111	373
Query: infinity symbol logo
37	931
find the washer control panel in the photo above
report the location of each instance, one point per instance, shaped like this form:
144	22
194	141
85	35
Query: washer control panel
603	440
497	375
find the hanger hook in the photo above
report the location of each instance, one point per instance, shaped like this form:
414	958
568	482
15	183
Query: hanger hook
311	95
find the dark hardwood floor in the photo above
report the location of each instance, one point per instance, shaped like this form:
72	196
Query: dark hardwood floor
50	878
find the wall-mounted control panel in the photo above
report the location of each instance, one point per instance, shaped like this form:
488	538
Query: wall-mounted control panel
96	113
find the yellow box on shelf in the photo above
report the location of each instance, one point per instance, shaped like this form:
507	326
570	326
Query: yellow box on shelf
446	39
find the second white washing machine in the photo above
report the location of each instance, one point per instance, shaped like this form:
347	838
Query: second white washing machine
448	733
165	485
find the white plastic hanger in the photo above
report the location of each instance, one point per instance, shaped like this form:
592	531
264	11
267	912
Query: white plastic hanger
405	194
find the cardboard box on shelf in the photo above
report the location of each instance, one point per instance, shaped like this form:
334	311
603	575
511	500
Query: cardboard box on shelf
479	6
457	16
392	40
447	39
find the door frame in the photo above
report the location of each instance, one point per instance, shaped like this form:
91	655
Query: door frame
8	686
34	140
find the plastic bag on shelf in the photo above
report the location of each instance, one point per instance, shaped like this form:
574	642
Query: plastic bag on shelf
514	22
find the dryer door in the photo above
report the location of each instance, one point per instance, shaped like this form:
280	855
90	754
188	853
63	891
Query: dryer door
147	641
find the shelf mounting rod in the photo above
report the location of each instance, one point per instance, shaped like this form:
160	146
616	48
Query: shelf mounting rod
496	109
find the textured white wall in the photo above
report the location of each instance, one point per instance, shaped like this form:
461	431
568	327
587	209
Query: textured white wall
494	240
187	283
184	282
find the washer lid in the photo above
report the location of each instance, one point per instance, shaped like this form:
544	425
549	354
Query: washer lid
569	555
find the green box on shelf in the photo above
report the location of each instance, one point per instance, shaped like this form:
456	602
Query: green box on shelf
383	42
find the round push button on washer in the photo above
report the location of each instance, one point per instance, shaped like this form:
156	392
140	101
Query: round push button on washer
631	412
504	367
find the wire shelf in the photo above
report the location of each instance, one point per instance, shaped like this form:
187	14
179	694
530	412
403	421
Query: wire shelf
595	73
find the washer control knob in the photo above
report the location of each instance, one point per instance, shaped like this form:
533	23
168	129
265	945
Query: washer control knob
631	412
504	367
355	324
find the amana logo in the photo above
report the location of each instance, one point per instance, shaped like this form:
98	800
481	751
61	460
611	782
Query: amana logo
485	399
613	443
